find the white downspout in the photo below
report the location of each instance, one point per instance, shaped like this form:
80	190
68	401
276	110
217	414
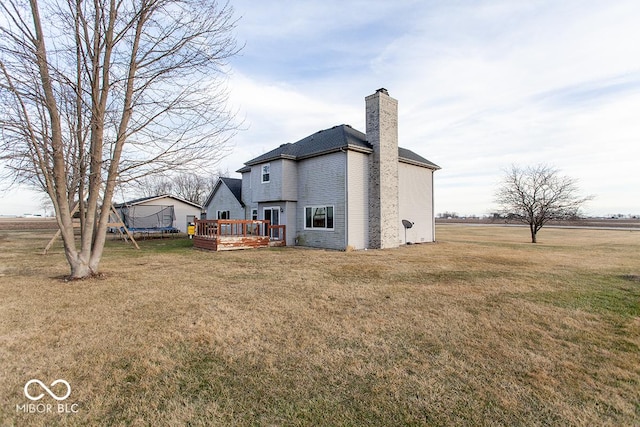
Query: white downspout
346	198
433	207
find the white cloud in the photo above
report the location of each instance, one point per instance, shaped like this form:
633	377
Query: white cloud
276	113
480	85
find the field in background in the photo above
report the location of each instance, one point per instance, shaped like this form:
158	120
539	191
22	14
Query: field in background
629	223
481	328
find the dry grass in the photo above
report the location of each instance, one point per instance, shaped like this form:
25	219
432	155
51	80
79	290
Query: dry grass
481	328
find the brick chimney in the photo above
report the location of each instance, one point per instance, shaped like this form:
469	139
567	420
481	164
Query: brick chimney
382	133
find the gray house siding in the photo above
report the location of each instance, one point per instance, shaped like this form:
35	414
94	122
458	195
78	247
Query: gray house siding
290	217
357	201
416	202
289	179
282	183
321	182
224	200
247	195
265	191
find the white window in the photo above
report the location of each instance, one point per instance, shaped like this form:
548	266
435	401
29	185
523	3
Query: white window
254	214
223	215
266	172
318	217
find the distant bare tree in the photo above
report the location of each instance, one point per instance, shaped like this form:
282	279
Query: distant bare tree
538	194
448	215
192	187
188	186
106	92
153	185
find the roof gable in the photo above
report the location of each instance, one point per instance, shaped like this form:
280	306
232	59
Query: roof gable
233	184
153	198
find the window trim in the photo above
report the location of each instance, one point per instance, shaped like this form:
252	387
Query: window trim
223	212
262	173
326	219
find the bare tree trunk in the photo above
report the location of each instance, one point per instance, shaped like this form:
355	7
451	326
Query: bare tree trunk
80	269
57	186
533	233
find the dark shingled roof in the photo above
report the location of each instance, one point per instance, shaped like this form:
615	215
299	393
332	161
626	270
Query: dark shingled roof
235	185
409	156
321	142
331	140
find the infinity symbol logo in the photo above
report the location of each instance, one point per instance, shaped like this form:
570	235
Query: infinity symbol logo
52	394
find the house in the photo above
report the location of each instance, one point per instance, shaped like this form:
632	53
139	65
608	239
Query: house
158	213
225	200
338	188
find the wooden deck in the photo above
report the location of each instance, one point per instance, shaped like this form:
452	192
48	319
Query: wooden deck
231	234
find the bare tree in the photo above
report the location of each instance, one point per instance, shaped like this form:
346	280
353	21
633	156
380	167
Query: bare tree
107	92
538	194
153	185
188	186
192	187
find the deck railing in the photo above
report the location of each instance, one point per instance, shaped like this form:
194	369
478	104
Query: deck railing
231	227
243	233
278	232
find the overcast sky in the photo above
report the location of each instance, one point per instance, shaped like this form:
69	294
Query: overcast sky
481	85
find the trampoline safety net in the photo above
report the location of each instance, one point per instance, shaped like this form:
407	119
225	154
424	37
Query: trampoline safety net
148	217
